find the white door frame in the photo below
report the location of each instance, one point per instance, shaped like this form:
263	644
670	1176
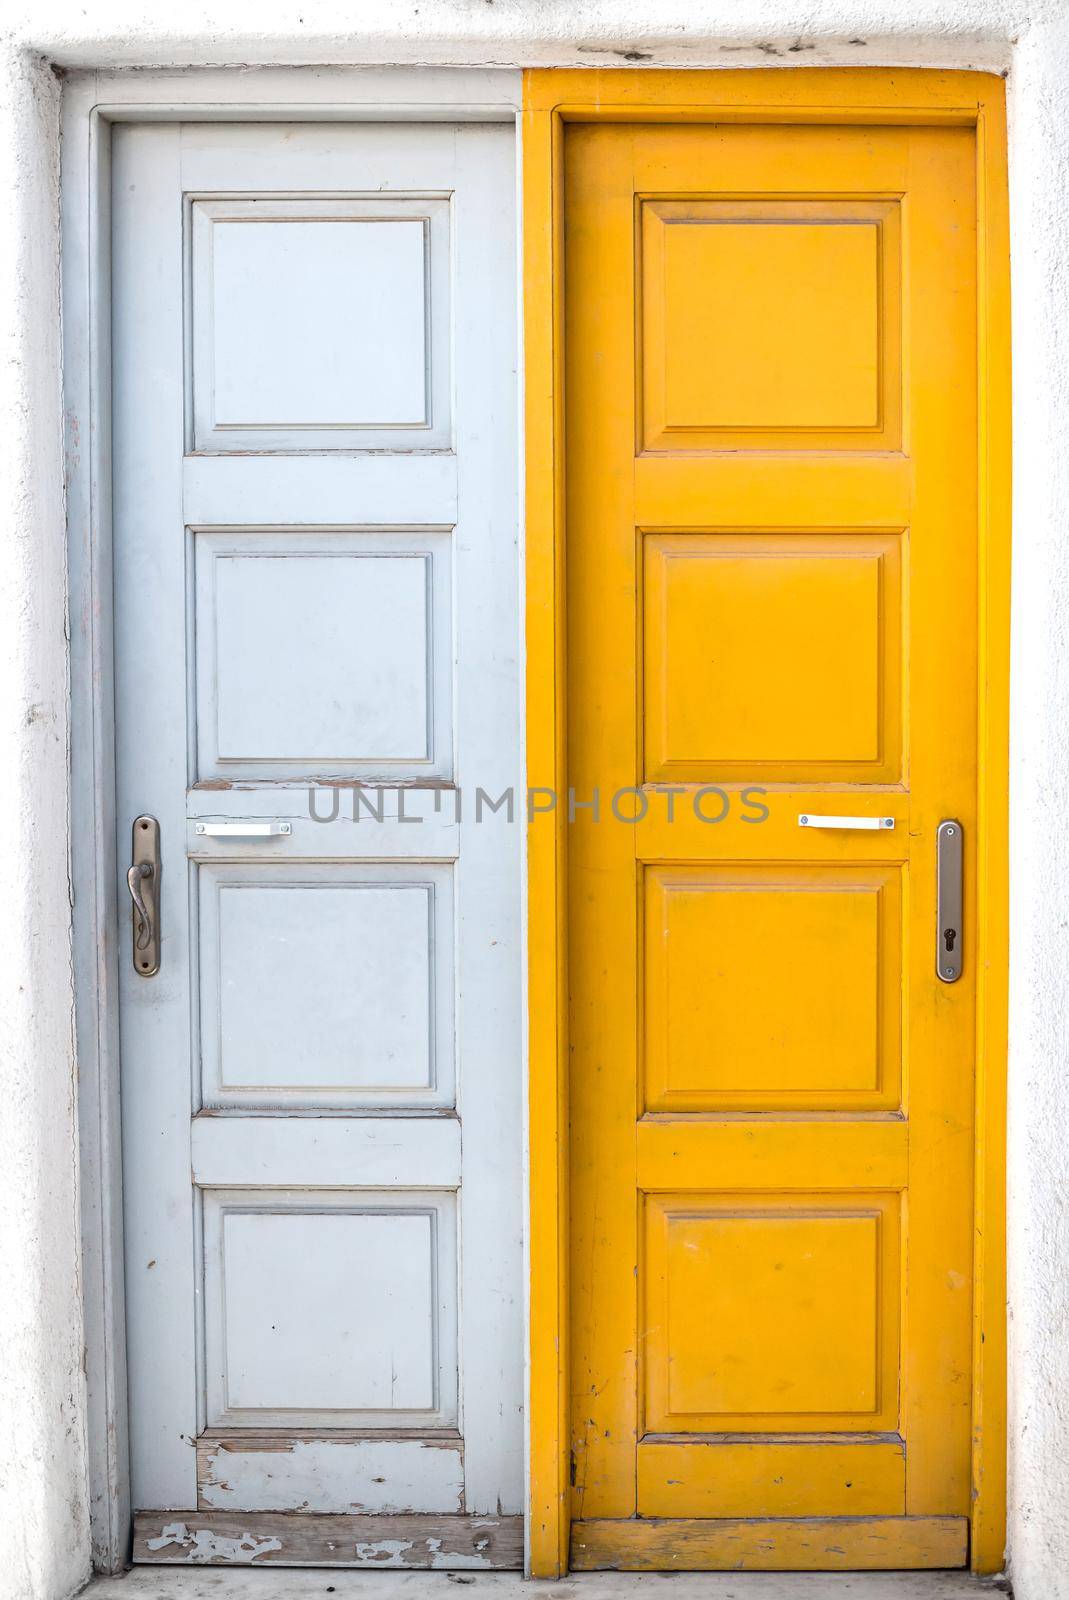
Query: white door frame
92	104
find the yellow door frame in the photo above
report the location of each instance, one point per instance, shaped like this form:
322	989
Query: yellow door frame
857	96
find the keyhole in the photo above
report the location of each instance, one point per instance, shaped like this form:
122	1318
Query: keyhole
949	935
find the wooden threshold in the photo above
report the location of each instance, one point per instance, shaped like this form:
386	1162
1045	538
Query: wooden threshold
809	1544
303	1539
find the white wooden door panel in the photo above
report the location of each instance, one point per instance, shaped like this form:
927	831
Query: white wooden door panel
326	984
342	370
254	1152
425	1475
393	823
310	645
330	1308
410	159
341	491
316	626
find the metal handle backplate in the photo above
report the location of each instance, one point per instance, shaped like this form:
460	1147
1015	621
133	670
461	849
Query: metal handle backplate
949	934
143	882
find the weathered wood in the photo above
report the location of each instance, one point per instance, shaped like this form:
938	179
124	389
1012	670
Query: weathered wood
811	1544
331	1473
301	1539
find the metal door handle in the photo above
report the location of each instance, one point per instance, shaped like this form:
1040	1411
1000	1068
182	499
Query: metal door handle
143	882
134	878
808	820
949	934
244	830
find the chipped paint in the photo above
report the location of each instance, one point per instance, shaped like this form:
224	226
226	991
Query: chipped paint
384	1552
369	1475
456	1559
306	1539
203	1544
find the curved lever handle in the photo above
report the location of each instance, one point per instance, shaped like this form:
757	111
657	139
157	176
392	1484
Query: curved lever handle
134	879
143	882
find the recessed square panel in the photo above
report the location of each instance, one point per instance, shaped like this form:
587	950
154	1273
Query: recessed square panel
323	653
320	324
330	1307
772	988
770	1313
326	985
772	657
770	324
756	315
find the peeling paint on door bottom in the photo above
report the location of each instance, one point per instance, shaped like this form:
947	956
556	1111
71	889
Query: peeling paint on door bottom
304	1539
202	1544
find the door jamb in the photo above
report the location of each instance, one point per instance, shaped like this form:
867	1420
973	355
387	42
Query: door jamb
551	99
93	102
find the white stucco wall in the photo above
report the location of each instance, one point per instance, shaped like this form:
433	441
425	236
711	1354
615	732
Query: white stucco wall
43	1506
42	1405
1039	793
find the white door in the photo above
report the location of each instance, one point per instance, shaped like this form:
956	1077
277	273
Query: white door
315	525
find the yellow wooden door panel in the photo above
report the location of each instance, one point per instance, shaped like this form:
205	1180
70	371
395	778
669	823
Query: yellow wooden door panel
790	1326
798	319
787	1544
788	284
770	353
717	823
814	1476
770	988
722	616
757	490
870	1151
769	1314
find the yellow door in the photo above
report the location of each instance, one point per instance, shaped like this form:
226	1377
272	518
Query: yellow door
770	353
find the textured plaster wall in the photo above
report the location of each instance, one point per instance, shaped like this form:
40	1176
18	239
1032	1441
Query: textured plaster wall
42	1414
1039	792
524	32
43	1509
